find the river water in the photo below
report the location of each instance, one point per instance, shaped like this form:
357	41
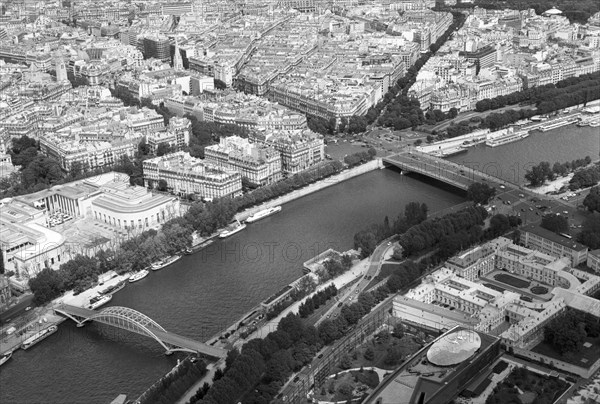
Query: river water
205	292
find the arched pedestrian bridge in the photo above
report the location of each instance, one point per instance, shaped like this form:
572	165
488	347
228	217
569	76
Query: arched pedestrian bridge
134	321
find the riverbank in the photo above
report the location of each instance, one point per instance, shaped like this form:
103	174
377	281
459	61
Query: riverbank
314	187
552	186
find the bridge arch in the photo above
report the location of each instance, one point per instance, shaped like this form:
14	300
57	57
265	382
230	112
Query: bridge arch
133	321
125	316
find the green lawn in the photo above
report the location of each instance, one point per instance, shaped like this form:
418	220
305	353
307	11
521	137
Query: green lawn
513	281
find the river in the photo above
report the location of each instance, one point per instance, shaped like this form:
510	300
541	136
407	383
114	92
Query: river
205	292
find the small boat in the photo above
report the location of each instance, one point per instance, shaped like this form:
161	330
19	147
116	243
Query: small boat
262	214
232	230
167	261
99	301
121	399
188	251
38	336
4	358
138	275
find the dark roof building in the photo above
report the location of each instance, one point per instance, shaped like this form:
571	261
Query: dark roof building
439	371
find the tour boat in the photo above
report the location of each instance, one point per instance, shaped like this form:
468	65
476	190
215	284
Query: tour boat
138	275
262	214
506	138
4	358
99	301
38	336
232	230
167	261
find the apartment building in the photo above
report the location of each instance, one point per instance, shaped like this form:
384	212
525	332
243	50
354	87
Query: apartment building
299	149
258	164
186	175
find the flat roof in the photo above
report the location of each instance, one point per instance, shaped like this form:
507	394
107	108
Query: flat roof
556	238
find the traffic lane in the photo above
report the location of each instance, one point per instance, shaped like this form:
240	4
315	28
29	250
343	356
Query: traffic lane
16	310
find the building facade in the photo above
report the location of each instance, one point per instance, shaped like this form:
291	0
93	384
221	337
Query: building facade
186	175
258	164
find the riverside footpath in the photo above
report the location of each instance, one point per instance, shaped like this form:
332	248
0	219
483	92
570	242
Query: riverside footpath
347	174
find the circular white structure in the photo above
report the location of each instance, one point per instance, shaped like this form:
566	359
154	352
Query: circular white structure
454	348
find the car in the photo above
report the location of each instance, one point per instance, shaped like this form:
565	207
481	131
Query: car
320	356
357	291
566	212
522	209
389	243
329	316
521	196
340	304
27	308
502	187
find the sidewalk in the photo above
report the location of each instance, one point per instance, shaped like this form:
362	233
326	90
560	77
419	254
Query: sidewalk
212	368
355	272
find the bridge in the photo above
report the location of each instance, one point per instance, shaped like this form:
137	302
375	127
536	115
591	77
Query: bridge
446	171
136	322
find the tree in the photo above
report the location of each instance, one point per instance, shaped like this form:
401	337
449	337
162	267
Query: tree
479	192
592	200
369	354
163	148
555	223
162	185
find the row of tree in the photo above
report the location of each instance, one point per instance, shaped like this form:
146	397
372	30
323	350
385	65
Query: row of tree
538	174
174	384
400	111
361	157
257	373
553	99
138	252
315	301
539	94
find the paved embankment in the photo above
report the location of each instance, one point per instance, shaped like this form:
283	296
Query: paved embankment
309	189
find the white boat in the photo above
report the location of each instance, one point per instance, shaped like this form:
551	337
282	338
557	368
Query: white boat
232	230
507	138
262	214
167	261
594	124
139	275
38	336
4	358
99	301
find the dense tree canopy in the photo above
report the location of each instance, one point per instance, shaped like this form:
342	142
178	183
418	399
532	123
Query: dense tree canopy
592	200
480	192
